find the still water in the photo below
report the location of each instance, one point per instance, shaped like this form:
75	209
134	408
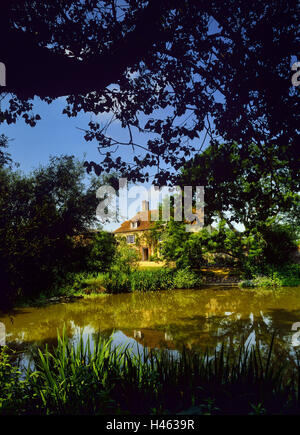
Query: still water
197	319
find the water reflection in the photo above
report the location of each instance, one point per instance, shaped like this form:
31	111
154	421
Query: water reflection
197	319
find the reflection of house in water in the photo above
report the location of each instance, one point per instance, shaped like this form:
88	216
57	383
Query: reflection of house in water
137	334
152	338
168	336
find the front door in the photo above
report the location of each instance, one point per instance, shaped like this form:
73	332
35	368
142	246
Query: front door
145	254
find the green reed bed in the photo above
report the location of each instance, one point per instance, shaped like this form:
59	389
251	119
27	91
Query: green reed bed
116	281
152	280
99	379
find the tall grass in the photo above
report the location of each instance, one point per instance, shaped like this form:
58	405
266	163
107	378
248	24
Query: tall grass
95	378
152	280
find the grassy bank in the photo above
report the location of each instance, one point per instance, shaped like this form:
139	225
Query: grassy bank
158	278
149	279
163	278
286	276
81	380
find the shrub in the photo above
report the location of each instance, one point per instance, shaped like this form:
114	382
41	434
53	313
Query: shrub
185	278
287	275
88	283
247	283
126	258
280	241
12	391
266	281
99	252
117	282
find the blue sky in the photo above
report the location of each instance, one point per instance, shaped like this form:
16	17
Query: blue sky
54	134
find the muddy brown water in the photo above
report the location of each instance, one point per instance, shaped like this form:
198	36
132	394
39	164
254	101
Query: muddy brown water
197	319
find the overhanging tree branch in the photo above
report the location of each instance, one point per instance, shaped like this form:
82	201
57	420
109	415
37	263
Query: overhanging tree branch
34	70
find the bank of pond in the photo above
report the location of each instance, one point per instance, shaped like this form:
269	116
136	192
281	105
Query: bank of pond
163	278
158	278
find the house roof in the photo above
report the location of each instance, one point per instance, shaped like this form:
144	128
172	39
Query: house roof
145	222
144	218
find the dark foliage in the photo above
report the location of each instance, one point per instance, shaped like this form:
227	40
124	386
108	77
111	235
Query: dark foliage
179	68
43	224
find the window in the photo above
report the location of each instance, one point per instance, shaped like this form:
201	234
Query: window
130	239
134	224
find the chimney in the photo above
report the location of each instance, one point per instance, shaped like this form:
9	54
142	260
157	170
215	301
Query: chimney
145	205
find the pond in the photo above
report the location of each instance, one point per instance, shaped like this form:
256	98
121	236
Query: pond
197	319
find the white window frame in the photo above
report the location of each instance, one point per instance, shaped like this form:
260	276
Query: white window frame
130	238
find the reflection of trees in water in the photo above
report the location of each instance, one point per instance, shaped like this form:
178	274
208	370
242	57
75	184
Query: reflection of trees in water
232	322
197	319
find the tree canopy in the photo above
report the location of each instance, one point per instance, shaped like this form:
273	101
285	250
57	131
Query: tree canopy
183	72
46	232
244	184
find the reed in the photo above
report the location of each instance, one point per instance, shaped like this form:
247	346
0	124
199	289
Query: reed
98	378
